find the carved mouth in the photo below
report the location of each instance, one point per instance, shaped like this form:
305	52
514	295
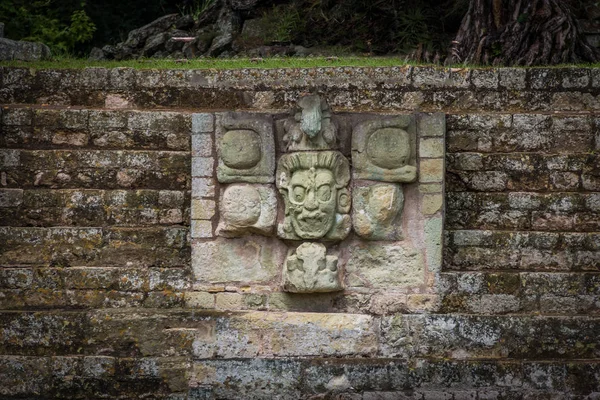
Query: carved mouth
312	219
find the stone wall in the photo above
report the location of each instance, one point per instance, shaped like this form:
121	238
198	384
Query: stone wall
98	297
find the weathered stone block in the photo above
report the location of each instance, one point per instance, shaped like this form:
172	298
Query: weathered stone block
545	78
431	170
427	78
576	78
377	211
485	78
245	148
9	158
313	302
202	145
250	260
17	116
11	197
202	167
16	278
201	229
203	187
245	208
199	300
432	203
384	265
385	150
431	148
512	78
229	301
203	209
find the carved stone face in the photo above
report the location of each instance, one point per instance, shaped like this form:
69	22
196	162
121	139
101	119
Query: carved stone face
317	200
312	197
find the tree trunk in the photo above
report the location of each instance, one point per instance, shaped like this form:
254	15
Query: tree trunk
521	32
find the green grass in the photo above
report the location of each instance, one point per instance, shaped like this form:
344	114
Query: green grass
273	62
208	63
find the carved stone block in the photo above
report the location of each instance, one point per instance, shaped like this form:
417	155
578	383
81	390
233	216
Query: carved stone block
384	150
246	208
377	211
311	270
246	149
315	194
311	128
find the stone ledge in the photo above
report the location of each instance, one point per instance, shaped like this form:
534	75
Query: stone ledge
385	88
231	335
350	379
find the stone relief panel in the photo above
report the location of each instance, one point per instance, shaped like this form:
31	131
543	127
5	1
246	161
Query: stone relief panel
377	211
384	150
245	149
315	195
314	202
247	209
309	269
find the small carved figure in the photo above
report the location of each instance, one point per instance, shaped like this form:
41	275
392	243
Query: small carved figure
312	127
317	202
311	270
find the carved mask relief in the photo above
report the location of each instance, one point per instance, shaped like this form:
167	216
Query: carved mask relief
311	202
316	199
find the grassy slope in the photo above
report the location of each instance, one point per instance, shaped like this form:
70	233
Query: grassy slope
213	63
217	63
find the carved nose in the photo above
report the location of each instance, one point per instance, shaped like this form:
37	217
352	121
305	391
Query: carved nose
310	203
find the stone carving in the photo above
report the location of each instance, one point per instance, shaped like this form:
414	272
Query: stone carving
246	149
247	209
384	150
377	211
311	128
310	270
316	199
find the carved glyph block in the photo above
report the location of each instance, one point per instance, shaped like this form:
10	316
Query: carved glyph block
245	148
310	270
377	211
315	194
246	208
384	150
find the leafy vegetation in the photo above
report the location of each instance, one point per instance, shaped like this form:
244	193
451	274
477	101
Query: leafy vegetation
61	25
374	27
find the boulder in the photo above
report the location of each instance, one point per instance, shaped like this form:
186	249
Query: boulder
171	44
137	37
23	51
96	54
154	44
228	25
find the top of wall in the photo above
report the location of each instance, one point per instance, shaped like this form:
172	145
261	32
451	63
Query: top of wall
403	88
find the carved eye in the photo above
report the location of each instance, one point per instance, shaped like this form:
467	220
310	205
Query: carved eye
298	194
324	193
321	264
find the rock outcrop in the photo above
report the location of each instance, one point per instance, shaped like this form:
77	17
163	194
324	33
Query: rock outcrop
23	51
223	29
